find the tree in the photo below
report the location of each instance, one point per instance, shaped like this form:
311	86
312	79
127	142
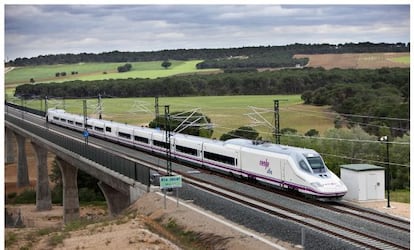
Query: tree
125	68
288	131
242	132
196	123
312	132
166	64
32	80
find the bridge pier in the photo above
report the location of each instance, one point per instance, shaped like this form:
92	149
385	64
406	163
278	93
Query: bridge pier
117	201
22	172
9	148
43	195
70	191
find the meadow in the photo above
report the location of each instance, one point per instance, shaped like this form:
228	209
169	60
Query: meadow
402	59
226	112
95	71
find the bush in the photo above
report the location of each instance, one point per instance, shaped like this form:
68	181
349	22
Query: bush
27	196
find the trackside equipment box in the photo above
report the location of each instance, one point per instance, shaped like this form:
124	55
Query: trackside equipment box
365	182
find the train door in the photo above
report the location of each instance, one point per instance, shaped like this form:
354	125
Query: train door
283	170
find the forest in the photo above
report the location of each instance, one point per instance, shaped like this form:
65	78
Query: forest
260	56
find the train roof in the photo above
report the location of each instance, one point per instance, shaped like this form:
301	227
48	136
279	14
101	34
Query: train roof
271	147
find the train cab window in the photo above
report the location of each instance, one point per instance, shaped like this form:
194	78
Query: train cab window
108	129
304	166
186	150
99	129
219	158
141	139
79	124
124	135
316	164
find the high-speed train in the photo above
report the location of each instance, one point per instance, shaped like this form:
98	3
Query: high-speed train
288	167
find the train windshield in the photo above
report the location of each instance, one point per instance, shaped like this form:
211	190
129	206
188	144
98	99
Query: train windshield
316	164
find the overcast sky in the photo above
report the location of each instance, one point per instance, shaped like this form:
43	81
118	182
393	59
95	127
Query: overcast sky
32	30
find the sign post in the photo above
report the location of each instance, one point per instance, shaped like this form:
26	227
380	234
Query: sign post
168	182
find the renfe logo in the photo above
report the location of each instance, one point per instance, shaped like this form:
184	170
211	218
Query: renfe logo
266	165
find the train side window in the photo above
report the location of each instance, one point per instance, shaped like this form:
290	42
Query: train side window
219	158
186	150
160	144
79	124
124	135
99	129
88	126
141	139
55	118
70	121
108	129
62	120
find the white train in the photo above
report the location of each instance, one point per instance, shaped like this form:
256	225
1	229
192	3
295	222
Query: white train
288	167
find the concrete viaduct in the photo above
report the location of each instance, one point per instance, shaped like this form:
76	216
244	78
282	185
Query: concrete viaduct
119	190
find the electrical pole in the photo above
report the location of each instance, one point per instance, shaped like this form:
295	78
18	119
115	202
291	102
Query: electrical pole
46	107
385	139
277	121
157	111
168	138
99	107
85	121
47	116
388	174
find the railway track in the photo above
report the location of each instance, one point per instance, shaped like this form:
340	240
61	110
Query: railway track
316	223
337	206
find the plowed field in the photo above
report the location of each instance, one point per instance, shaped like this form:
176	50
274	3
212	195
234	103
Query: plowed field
356	60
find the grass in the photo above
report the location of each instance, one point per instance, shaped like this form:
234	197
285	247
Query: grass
402	59
226	112
185	239
95	71
400	196
10	239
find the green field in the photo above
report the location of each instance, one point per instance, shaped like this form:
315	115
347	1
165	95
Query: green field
95	71
226	112
402	59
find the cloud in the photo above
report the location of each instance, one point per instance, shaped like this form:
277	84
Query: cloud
32	30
